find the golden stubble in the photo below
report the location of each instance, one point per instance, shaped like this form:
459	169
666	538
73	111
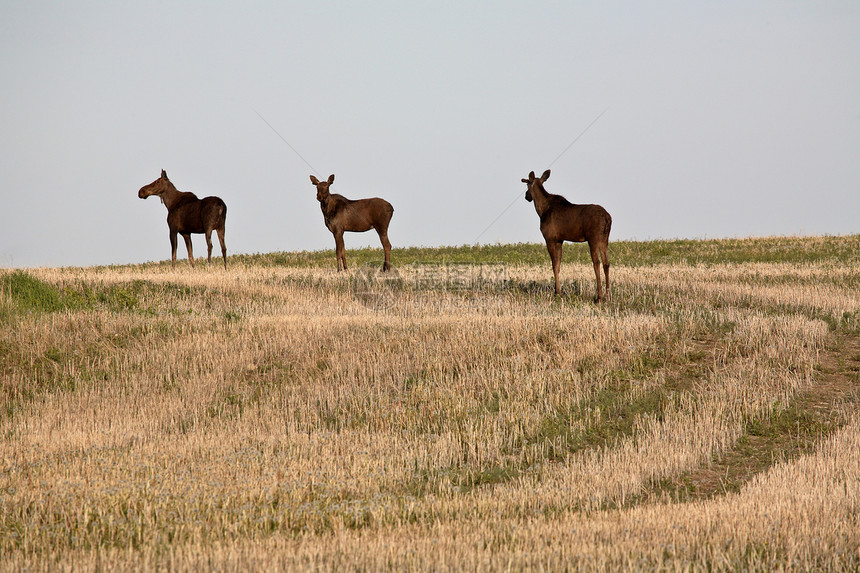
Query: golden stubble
267	417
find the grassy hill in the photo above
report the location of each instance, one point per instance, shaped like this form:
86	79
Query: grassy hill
836	249
451	415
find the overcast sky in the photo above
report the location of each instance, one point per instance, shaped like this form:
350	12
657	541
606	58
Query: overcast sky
722	119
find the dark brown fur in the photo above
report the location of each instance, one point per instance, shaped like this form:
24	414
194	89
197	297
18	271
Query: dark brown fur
342	214
562	221
187	214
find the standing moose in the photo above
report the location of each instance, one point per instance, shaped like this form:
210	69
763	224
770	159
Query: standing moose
187	214
562	221
342	214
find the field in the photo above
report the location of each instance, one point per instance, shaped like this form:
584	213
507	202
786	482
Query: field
452	416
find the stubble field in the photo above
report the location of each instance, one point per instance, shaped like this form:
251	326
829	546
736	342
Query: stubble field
454	415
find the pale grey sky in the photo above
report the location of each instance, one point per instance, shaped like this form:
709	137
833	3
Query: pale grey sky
723	119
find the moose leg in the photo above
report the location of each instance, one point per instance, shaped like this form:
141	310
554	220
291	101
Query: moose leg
208	234
172	248
386	246
187	237
221	232
604	254
595	259
339	250
554	248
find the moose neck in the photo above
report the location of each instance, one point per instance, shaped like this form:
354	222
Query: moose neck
170	196
327	204
540	198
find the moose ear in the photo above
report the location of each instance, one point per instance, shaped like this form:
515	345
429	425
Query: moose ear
331	179
164	173
545	175
314	180
531	176
525	180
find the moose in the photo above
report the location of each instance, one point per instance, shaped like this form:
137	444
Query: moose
187	214
562	221
360	215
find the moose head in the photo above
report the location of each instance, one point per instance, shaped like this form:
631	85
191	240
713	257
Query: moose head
322	187
531	181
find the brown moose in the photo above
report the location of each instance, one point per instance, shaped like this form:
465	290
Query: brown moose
342	214
187	214
562	221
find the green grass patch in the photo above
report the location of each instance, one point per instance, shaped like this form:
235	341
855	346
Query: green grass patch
21	293
25	293
615	412
610	415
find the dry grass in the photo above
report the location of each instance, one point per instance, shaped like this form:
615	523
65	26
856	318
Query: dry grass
271	417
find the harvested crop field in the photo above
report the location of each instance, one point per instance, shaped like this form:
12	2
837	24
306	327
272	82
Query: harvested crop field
451	415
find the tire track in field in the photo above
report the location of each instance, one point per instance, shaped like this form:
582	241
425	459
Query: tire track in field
813	415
